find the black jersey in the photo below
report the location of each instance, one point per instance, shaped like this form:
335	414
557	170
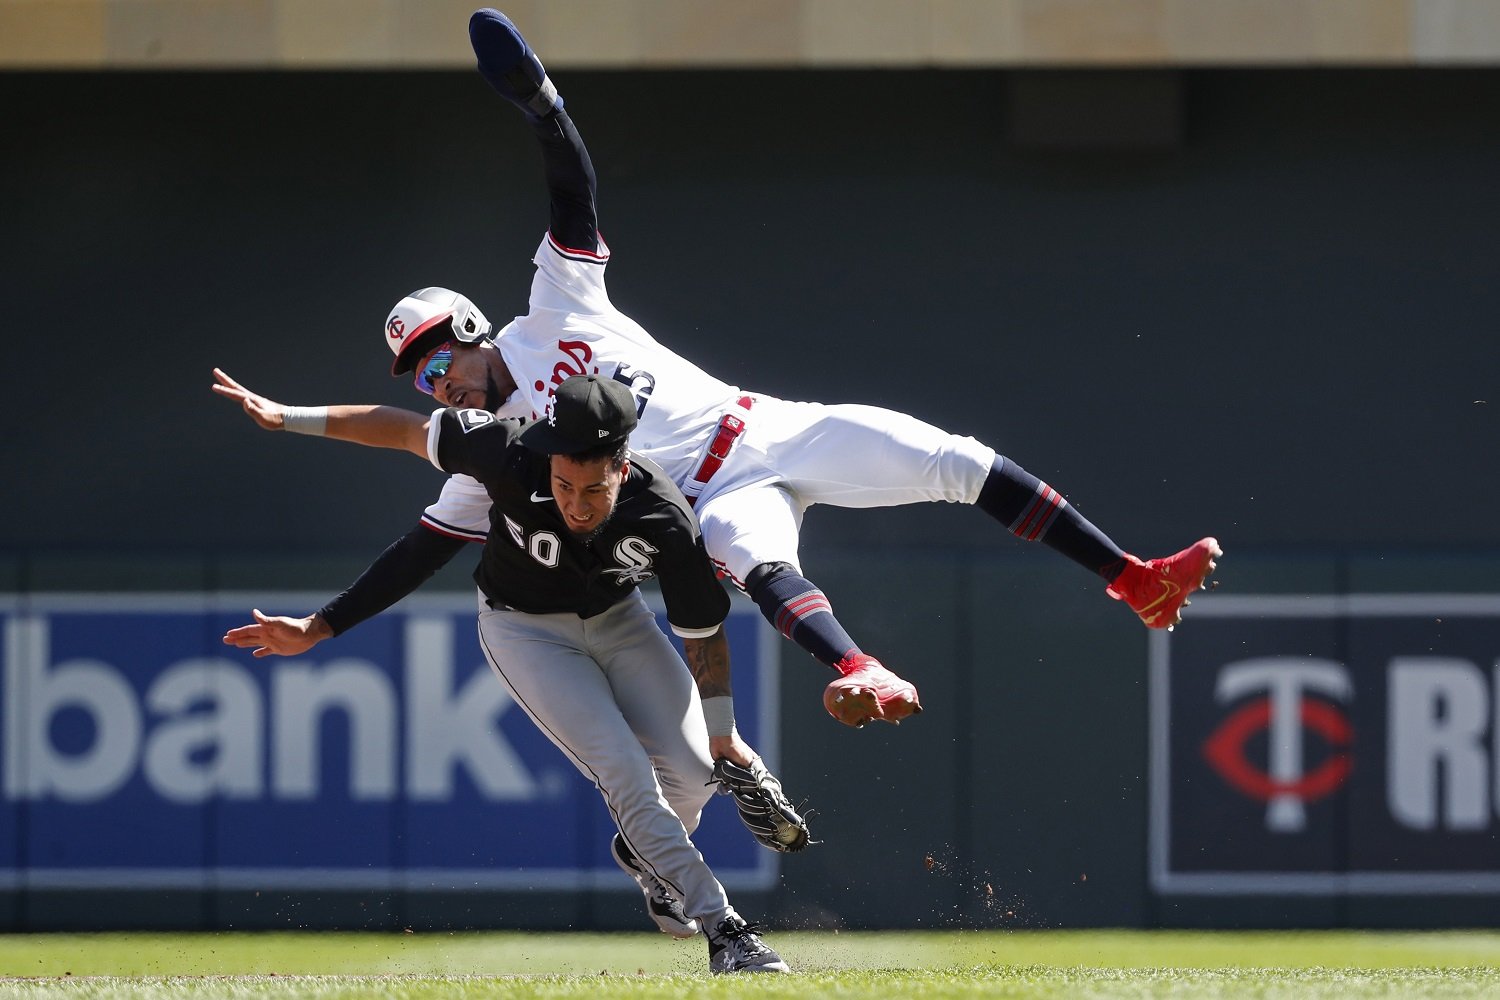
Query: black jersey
533	563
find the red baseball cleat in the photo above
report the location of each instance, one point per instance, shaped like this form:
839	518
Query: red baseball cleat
1158	589
869	691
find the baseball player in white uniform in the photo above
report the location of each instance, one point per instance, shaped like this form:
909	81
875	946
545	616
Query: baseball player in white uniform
750	463
578	523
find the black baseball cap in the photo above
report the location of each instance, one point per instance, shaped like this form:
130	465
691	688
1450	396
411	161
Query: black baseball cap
587	412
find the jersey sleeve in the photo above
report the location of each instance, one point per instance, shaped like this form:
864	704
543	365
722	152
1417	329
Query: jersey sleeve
403	567
697	603
568	279
470	442
462	510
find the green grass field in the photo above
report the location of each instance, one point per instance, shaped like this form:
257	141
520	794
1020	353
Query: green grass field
1050	964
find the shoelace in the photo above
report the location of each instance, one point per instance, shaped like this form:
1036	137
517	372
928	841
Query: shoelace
736	934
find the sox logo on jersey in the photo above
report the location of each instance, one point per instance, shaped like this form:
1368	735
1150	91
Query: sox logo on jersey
634	554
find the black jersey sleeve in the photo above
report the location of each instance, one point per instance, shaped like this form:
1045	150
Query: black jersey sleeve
403	567
696	601
571	183
473	442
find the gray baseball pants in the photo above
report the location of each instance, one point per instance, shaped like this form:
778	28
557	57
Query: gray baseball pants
614	696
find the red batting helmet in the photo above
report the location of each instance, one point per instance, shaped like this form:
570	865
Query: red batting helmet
427	318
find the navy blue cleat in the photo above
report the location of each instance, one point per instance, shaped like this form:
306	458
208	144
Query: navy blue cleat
507	62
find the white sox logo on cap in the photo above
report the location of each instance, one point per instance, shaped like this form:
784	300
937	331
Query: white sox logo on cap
552	421
585	410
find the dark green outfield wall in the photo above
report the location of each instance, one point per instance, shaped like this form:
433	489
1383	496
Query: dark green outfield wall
1279	329
1276	330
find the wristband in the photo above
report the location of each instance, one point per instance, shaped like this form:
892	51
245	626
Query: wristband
718	713
306	420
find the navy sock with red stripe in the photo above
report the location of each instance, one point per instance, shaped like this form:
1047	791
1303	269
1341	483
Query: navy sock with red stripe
1034	511
799	610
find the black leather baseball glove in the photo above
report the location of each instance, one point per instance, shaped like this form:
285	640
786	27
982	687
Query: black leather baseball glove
764	807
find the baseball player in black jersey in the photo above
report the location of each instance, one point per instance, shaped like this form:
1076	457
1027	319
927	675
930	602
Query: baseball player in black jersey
577	524
751	464
569	541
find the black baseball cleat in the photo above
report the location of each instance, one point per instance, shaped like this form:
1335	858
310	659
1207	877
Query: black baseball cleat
734	946
664	908
509	65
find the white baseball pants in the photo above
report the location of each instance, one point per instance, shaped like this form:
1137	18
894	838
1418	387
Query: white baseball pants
794	455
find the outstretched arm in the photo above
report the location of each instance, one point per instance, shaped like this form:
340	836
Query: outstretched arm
758	796
279	636
571	184
510	67
374	426
708	659
403	567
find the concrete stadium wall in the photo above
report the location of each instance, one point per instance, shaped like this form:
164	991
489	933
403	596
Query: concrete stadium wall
1270	321
654	34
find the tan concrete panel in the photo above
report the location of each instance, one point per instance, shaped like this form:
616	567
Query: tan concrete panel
1362	31
1285	31
695	33
1098	32
428	34
1235	31
435	33
605	33
51	33
187	33
622	33
866	32
332	33
1455	31
966	32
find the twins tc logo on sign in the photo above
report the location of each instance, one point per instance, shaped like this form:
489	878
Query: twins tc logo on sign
1296	696
1325	744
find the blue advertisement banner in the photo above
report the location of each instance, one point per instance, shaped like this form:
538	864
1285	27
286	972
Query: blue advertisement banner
138	751
1327	745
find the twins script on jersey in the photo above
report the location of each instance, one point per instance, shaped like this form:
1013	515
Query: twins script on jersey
572	329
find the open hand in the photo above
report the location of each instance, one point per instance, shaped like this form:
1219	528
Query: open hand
268	413
278	636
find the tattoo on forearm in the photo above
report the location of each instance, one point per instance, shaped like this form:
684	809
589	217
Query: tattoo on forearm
708	659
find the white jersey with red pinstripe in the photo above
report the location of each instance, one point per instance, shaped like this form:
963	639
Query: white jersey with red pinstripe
573	329
766	460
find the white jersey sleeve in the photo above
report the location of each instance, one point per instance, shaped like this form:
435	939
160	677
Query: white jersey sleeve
462	510
569	280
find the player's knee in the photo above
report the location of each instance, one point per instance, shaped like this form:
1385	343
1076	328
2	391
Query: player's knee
764	575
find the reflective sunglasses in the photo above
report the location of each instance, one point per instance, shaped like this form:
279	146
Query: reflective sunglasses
434	368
